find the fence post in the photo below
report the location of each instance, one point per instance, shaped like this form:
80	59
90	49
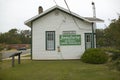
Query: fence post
18	58
13	58
13	61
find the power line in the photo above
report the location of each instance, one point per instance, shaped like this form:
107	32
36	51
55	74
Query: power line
67	6
71	13
73	17
55	2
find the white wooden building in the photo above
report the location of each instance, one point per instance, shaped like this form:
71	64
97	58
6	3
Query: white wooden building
58	33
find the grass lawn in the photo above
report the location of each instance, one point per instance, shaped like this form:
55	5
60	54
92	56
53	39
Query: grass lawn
56	70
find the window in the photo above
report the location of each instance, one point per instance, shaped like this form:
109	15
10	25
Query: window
50	40
88	38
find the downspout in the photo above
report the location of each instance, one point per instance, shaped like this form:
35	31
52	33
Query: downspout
31	39
93	45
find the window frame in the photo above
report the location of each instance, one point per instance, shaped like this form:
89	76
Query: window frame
50	38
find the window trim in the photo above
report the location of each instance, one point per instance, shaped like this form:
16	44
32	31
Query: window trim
92	43
46	41
69	32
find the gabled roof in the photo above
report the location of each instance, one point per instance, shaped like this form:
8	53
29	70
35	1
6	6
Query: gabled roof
87	19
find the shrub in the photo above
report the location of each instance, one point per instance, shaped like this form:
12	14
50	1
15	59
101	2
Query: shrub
1	48
94	56
115	60
115	55
0	57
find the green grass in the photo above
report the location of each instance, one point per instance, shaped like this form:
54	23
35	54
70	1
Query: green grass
56	70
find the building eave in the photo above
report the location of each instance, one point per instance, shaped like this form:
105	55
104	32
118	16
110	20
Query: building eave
94	19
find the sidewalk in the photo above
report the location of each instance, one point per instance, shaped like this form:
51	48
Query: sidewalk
23	56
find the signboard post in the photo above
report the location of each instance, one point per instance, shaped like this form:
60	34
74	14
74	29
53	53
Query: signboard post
70	39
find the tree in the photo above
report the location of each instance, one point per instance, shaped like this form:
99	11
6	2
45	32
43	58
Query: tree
100	37
109	37
112	34
15	36
25	36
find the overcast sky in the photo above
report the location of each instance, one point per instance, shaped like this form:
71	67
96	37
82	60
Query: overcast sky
13	13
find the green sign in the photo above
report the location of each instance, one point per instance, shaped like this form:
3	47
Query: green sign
70	39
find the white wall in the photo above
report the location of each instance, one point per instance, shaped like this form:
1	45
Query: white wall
57	21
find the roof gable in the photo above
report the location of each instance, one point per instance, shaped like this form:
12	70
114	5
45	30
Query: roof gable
87	19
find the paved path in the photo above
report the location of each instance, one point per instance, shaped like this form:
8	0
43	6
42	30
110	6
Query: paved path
23	56
6	54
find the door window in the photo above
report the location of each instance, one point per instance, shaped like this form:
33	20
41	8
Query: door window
88	40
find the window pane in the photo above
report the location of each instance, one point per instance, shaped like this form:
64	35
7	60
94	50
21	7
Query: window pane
88	38
50	40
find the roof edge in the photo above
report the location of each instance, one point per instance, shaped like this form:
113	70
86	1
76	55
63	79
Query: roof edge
87	19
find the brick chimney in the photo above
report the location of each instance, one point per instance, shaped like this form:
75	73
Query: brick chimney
40	9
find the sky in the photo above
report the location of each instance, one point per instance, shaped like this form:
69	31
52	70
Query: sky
13	13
